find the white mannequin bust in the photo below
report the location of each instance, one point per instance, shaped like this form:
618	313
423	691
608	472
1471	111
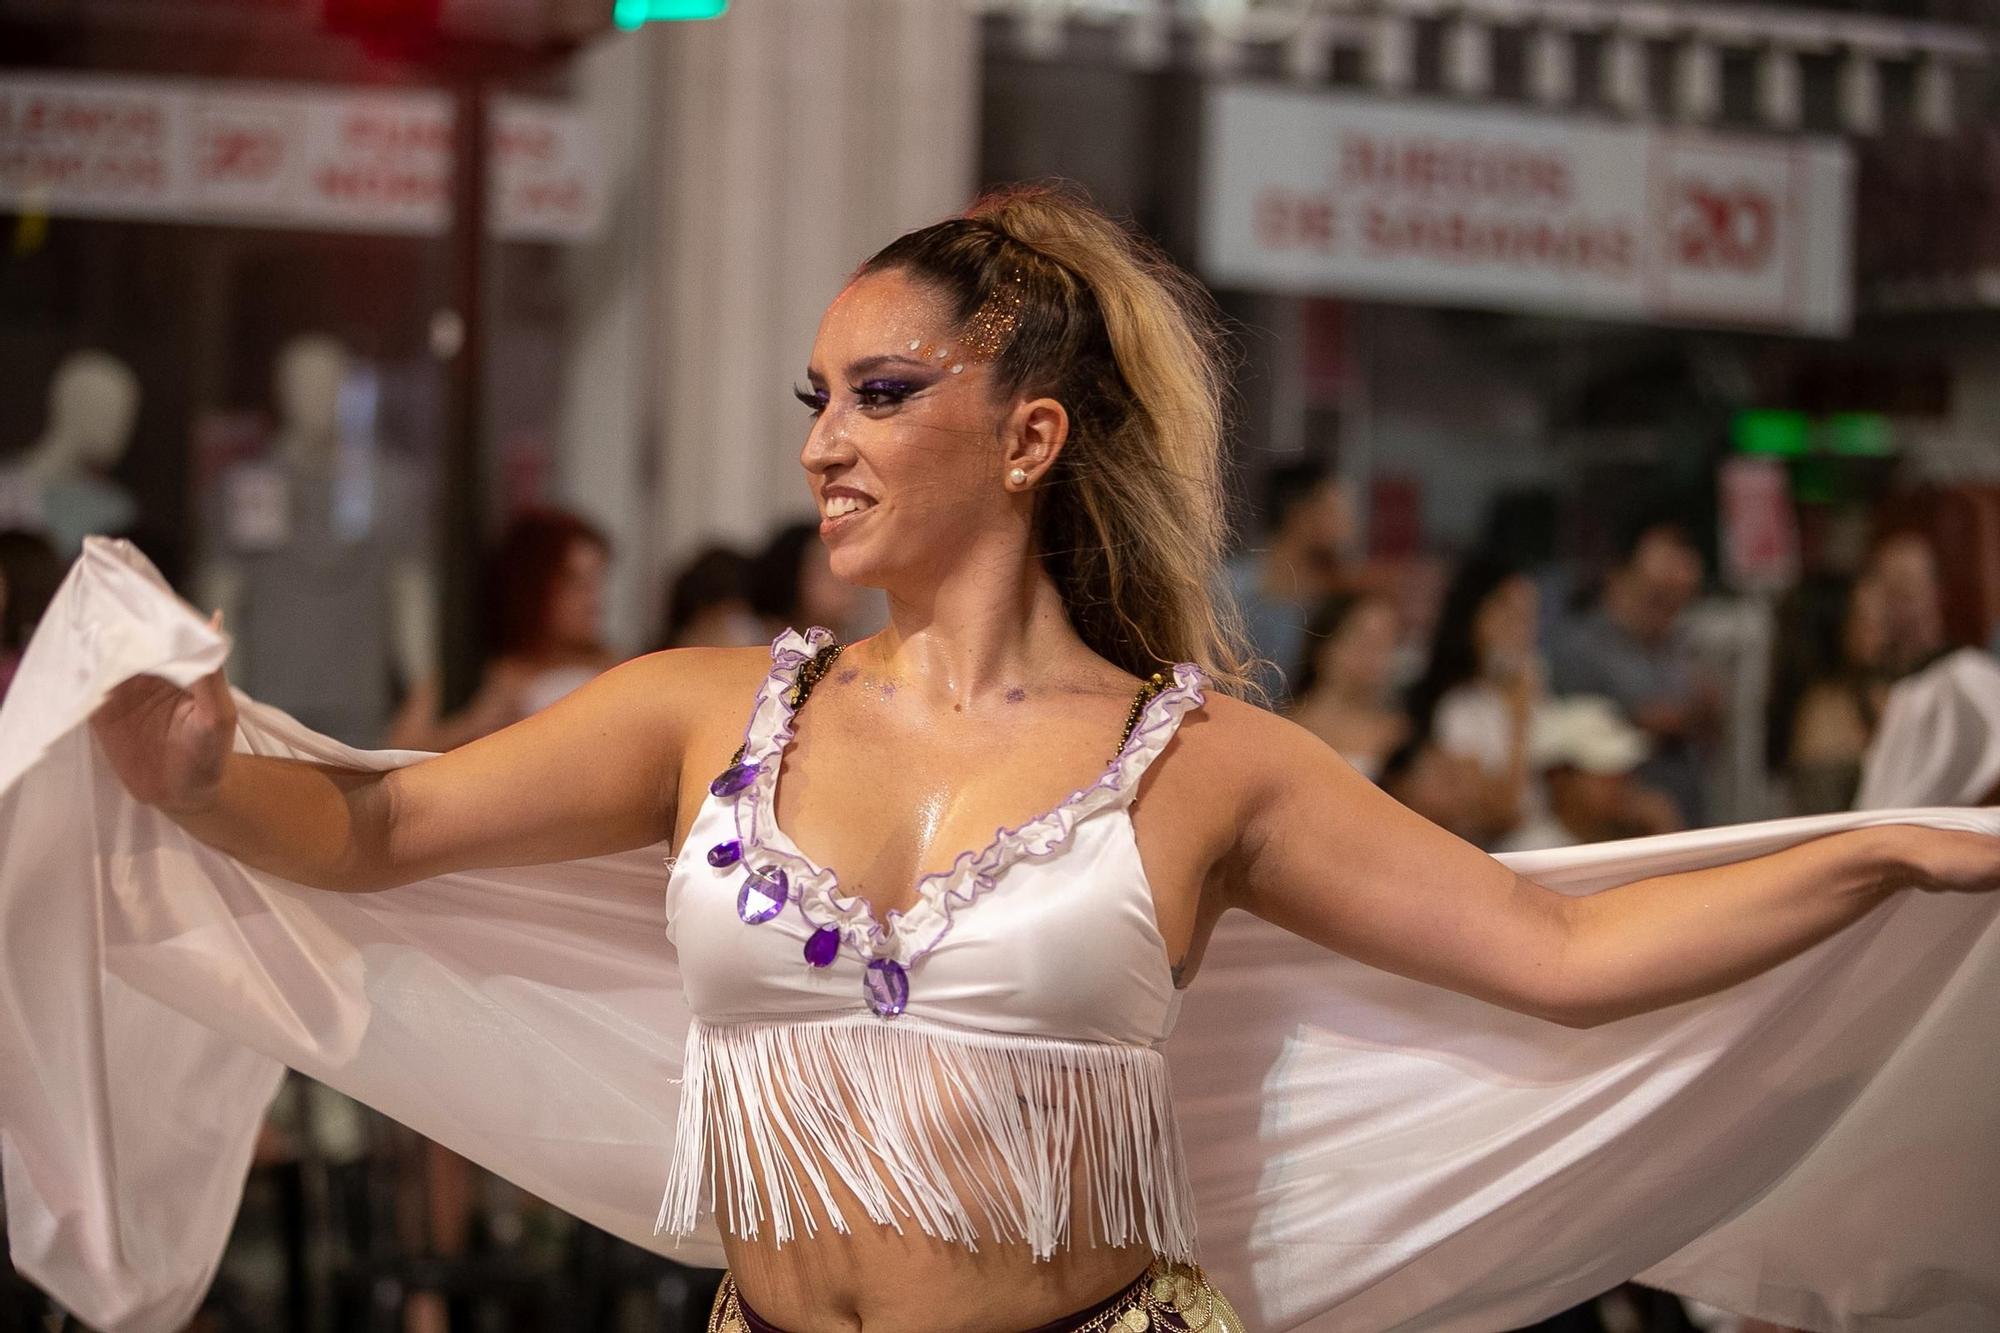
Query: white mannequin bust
310	377
306	386
60	484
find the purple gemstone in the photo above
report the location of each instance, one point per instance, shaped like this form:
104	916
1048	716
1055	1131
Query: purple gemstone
733	779
823	947
725	853
762	896
887	987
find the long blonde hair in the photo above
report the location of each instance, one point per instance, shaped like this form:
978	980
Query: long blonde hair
1131	521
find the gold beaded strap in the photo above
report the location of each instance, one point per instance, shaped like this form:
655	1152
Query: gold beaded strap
1154	684
809	674
801	687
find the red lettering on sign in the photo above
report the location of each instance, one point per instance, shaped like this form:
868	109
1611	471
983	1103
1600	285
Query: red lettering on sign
1287	221
1719	227
1421	164
240	153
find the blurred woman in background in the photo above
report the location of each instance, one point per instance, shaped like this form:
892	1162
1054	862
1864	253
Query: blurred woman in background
546	622
1483	686
1344	682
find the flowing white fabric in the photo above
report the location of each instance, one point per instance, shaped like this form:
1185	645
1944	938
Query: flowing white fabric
1939	739
1814	1146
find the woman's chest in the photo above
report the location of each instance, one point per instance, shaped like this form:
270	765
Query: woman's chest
884	809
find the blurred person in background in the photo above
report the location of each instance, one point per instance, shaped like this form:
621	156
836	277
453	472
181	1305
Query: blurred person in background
708	603
1632	647
1829	690
1483	686
792	584
1441	786
30	569
1588	756
1277	586
1344	684
545	615
1904	565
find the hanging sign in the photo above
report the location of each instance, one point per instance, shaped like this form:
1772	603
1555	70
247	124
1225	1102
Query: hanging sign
1406	201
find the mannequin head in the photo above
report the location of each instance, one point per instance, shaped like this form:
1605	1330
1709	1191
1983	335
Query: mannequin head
93	401
307	388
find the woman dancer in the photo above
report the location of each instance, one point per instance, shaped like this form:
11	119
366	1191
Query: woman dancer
922	1091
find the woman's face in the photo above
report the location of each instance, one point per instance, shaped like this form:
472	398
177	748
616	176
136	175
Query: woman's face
1362	655
907	454
1912	601
1504	629
576	598
1864	635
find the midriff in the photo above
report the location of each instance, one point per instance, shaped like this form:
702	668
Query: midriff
877	1280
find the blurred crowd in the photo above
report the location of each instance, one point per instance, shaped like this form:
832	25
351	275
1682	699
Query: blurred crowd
1530	706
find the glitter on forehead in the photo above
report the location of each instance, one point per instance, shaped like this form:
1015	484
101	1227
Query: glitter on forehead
993	325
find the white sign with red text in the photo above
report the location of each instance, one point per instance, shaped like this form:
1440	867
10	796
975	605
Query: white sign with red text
1394	200
347	159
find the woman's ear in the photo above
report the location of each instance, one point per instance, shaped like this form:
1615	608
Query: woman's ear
1037	431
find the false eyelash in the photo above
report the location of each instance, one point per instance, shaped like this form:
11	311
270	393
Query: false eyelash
891	391
815	403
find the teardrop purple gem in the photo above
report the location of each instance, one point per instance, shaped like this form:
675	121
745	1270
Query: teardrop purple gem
733	779
725	853
823	947
887	987
762	896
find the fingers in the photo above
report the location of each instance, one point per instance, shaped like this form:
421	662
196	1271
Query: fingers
135	691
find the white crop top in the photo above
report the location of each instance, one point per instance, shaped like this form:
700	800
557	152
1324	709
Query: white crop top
982	1066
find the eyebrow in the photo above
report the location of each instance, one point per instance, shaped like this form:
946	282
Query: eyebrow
868	363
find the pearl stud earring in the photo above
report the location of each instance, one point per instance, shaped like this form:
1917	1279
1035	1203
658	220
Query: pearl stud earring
1018	476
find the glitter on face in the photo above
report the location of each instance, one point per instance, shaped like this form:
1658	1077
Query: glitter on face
994	324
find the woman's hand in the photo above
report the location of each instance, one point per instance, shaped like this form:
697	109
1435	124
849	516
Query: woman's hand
1950	860
168	745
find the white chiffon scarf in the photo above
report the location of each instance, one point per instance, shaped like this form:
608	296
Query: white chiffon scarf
1815	1146
1938	742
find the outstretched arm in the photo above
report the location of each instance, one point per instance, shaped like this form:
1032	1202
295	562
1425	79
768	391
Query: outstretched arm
595	773
1322	852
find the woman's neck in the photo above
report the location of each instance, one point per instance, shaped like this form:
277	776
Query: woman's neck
982	631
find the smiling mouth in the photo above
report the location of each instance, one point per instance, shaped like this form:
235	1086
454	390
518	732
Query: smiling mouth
844	506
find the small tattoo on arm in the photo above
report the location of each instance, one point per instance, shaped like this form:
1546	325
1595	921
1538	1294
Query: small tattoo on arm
847	677
1016	695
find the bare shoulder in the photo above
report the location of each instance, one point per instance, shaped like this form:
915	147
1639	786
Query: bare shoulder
1216	772
1231	748
1234	770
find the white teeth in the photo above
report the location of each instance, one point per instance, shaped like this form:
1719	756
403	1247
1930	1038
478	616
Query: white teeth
836	505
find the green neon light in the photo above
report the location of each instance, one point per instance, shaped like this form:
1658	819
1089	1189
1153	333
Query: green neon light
1864	434
1764	431
630	14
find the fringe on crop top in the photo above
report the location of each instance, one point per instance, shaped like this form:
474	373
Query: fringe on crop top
983	1066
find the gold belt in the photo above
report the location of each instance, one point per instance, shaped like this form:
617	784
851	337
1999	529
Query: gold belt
1169	1298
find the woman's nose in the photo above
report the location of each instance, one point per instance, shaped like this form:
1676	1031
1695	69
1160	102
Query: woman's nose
826	442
